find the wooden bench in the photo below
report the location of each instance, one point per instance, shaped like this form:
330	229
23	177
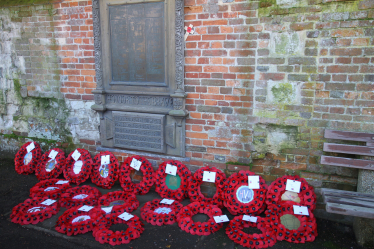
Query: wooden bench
358	204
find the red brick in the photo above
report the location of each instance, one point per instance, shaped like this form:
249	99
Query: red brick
210	69
342	69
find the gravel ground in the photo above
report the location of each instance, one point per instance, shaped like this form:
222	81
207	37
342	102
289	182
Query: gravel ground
15	188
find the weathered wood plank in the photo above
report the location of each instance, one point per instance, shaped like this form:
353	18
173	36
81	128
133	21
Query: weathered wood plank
347	162
370	144
347	194
350	210
349	135
348	201
348	149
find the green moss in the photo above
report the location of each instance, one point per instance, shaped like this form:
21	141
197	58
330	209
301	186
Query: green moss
283	93
8	3
17	88
237	163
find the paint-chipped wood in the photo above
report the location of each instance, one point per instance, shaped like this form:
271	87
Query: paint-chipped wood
349	135
350	210
348	149
347	162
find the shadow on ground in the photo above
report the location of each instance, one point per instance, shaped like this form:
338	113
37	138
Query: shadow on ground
15	188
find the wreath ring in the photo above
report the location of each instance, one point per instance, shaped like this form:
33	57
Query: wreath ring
50	168
26	162
148	176
277	190
130	203
159	214
84	195
306	232
102	233
74	221
186	223
182	172
239	199
104	175
266	239
194	191
75	174
31	211
49	188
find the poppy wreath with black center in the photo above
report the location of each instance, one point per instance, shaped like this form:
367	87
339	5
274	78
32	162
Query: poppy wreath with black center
306	232
19	162
186	223
147	182
103	234
74	221
130	202
194	191
41	172
49	188
255	206
266	239
278	187
166	217
84	173
31	211
77	196
162	189
96	177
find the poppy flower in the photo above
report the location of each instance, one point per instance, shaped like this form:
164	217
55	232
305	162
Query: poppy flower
77	196
160	214
104	175
49	188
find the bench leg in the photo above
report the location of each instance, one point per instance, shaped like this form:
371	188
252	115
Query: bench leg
364	228
364	231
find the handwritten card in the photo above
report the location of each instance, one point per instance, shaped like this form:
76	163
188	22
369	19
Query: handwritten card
76	155
167	201
250	218
300	210
107	209
48	202
53	154
30	147
105	159
254	182
135	164
209	176
293	185
85	208
221	218
62	182
171	170
125	216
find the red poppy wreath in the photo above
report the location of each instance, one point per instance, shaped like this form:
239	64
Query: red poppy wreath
160	214
126	200
26	162
277	193
32	211
84	195
48	167
148	175
238	198
186	223
290	227
74	221
264	240
170	186
103	234
78	171
104	174
49	188
194	190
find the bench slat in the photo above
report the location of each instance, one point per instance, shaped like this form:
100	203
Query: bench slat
350	210
348	149
329	191
349	135
347	201
347	162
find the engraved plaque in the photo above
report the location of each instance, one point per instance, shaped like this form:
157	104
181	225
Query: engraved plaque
139	131
137	43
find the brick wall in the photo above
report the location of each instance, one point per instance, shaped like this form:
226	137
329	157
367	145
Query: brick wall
264	79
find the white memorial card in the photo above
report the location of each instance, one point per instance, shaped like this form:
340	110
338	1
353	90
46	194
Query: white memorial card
125	216
167	201
209	176
107	209
253	182
221	218
76	155
300	210
53	154
171	170
48	202
62	182
135	164
250	218
85	208
105	159
30	147
293	186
